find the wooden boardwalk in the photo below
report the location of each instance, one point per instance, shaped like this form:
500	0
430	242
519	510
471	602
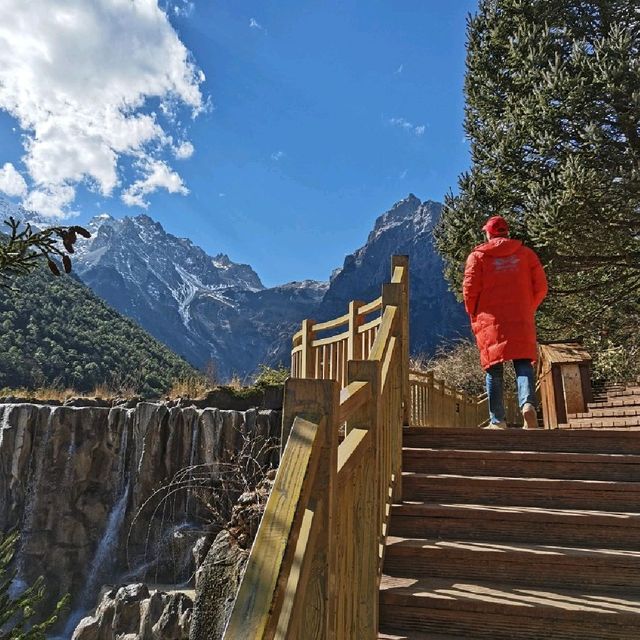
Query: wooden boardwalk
442	530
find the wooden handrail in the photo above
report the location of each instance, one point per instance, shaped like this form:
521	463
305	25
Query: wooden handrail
371	307
332	324
436	404
315	566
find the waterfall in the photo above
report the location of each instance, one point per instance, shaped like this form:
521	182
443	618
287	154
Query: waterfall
192	459
71	450
109	541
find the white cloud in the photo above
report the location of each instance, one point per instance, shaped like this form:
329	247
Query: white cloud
51	200
403	175
416	129
254	24
184	150
11	182
400	69
156	175
81	79
277	155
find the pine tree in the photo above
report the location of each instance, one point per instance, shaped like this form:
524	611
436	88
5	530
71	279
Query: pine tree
17	614
553	117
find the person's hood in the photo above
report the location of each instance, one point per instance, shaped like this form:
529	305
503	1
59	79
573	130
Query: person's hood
499	247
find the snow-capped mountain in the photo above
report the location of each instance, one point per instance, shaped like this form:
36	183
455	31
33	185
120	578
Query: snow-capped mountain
10	209
208	309
406	229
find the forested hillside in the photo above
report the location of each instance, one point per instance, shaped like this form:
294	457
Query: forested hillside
56	332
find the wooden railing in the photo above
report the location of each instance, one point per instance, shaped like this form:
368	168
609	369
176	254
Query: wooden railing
435	404
315	565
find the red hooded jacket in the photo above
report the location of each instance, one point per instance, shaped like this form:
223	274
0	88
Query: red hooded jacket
504	283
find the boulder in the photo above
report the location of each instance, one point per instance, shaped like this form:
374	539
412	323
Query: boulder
131	612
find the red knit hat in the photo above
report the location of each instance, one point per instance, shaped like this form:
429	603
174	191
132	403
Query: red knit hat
496	226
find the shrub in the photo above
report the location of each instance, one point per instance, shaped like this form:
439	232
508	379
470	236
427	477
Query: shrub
272	377
17	614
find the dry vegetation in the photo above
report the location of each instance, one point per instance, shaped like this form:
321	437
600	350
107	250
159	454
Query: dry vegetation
458	364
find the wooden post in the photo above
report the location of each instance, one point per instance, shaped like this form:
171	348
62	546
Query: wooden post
429	413
370	417
308	360
403	261
288	591
312	611
393	295
354	347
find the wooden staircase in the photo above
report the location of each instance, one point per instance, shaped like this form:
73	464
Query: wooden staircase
613	407
515	534
500	535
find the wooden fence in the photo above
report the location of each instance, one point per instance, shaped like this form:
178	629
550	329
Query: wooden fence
315	565
435	404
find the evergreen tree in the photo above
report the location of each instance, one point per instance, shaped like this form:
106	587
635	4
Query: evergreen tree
22	248
553	117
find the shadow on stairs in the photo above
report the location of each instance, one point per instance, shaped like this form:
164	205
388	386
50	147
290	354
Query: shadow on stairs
515	534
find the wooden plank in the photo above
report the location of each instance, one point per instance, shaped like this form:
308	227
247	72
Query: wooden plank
352	450
372	324
252	608
331	324
331	339
385	332
560	352
352	397
572	388
370	307
292	591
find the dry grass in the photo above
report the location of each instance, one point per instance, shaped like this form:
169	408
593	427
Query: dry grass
57	394
235	383
193	387
51	394
458	364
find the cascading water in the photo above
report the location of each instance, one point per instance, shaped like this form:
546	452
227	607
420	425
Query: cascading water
71	450
109	541
192	460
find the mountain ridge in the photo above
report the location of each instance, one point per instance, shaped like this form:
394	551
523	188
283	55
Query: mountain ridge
210	309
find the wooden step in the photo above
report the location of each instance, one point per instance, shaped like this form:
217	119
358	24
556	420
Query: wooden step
558	440
533	492
470	609
580	466
399	634
605	423
623	392
629	401
518	563
607	412
565	527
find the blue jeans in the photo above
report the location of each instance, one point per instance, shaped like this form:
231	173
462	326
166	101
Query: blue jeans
495	387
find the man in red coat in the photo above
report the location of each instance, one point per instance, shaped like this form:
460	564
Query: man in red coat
504	283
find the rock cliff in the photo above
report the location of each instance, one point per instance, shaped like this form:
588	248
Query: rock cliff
105	495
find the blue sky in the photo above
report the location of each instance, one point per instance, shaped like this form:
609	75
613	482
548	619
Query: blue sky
313	118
